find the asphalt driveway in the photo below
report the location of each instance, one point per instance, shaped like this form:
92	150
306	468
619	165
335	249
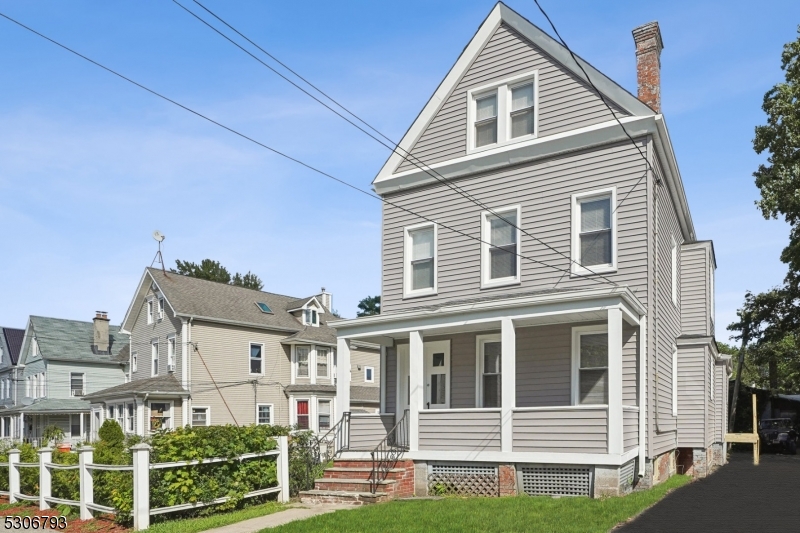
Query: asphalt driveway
738	497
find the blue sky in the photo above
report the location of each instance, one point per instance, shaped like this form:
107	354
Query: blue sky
90	165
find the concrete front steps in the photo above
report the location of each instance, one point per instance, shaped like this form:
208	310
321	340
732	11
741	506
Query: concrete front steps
348	482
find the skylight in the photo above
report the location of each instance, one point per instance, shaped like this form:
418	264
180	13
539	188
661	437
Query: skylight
264	307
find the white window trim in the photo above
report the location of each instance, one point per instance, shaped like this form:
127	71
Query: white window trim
134	361
310	412
373	374
486	282
296	363
480	340
271	414
250	359
172	348
674	273
208	414
83	382
577	198
674	380
407	254
171	414
150	307
502	89
155	358
311	310
160	308
328	357
577	331
331	422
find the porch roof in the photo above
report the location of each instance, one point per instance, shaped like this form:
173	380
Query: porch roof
53	405
158	385
531	307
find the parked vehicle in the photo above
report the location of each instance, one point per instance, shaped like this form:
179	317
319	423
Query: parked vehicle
778	432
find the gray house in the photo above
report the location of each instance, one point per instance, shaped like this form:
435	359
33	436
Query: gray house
547	320
60	362
204	353
10	345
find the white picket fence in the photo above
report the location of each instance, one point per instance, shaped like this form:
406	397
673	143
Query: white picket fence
140	468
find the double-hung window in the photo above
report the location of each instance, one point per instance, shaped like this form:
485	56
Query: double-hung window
200	416
75	426
420	254
256	358
301	356
324	414
76	384
311	317
594	229
160	308
154	358
590	365
171	353
489	362
502	113
150	311
129	417
322	363
500	264
264	414
134	357
302	414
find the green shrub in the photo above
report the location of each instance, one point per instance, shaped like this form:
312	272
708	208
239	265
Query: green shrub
304	465
28	476
65	484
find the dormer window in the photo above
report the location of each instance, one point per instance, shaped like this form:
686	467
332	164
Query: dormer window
503	112
310	317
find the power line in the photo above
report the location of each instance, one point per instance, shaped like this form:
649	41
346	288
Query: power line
394	147
282	154
603	99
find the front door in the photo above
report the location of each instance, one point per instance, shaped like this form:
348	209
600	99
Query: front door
437	374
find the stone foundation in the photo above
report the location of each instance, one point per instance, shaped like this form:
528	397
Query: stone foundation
663	467
420	478
606	481
508	480
718	455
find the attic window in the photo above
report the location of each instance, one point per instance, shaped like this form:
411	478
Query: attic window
503	112
264	307
311	318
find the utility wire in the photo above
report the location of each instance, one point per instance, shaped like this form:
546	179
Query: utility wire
394	147
602	97
282	154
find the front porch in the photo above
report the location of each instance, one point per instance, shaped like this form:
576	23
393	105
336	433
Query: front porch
553	379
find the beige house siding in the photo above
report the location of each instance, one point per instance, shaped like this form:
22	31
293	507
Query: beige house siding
142	335
695	299
223	351
361	357
711	416
559	431
630	429
464	431
543	191
564	101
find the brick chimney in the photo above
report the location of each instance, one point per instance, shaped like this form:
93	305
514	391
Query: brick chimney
101	332
648	63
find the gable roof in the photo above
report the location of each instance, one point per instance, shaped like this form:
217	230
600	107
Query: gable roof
13	341
502	14
300	303
71	340
168	384
219	302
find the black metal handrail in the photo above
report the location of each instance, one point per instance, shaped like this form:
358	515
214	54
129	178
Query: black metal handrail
335	440
388	452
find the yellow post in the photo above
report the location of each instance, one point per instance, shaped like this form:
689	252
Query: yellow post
757	443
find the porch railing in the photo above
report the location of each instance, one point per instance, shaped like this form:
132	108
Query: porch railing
336	440
388	452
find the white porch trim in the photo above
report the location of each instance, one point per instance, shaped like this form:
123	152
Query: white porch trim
607	459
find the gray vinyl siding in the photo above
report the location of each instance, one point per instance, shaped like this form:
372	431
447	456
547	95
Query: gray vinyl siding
462	370
459	431
711	415
225	350
720	401
543	190
362	357
32	368
96	377
391	380
142	335
692	397
559	431
366	431
630	364
544	365
695	299
565	102
630	429
666	322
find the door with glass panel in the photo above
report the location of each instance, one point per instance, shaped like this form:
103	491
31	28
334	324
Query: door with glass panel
437	374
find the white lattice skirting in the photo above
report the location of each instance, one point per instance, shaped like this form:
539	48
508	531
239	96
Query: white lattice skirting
463	480
556	481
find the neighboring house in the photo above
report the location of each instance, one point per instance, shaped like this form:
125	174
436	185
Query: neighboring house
60	362
558	338
206	353
10	345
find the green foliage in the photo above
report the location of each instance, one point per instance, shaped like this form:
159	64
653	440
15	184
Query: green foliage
371	305
28	476
66	483
214	271
304	467
52	434
111	434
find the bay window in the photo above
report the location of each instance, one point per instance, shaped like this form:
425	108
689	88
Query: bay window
324	414
322	363
302	414
301	357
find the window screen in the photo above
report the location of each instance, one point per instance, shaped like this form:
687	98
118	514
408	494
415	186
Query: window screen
595	234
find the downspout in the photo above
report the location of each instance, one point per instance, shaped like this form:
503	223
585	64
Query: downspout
642	384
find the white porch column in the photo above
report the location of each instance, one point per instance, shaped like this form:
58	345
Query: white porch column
416	373
615	381
382	384
508	367
343	376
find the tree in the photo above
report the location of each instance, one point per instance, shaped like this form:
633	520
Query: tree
214	271
371	305
779	179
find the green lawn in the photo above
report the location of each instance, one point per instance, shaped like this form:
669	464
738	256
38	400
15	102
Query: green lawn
539	514
194	525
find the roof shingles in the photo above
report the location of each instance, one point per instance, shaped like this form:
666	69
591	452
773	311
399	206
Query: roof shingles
72	340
